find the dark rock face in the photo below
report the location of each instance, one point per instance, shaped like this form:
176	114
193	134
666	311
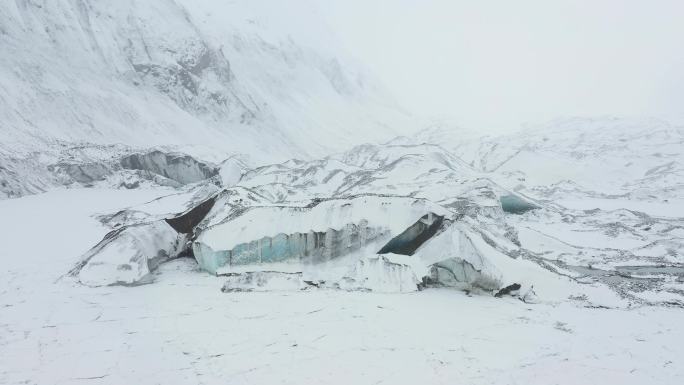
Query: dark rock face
127	255
412	238
510	289
185	223
181	168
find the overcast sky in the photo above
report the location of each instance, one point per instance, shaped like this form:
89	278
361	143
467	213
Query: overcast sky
498	63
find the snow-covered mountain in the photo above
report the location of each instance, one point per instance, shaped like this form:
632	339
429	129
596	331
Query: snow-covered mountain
207	78
639	159
213	147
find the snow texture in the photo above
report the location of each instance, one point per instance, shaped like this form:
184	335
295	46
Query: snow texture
191	186
183	330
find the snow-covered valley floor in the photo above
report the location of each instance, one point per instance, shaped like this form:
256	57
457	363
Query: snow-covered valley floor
182	329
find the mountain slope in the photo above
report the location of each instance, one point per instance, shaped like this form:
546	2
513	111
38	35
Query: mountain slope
208	77
640	159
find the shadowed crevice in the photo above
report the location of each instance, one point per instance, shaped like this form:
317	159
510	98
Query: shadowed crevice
413	237
185	223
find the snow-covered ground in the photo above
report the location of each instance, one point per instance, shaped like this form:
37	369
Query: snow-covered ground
149	131
183	330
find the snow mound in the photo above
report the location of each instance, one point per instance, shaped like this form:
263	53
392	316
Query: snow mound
127	256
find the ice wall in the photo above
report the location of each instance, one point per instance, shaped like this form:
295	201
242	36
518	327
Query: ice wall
301	248
455	261
179	167
317	232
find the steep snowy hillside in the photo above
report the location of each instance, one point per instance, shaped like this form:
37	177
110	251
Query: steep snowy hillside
208	78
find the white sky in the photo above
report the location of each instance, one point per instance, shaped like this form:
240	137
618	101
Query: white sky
494	64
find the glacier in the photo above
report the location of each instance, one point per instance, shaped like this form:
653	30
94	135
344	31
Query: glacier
188	184
323	224
402	217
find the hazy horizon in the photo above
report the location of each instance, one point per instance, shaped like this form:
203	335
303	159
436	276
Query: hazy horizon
495	65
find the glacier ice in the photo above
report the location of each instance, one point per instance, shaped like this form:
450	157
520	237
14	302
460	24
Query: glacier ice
379	273
182	168
231	171
360	243
128	255
305	248
513	204
311	234
316	224
455	272
263	281
454	260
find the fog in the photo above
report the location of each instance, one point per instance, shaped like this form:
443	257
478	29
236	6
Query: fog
495	64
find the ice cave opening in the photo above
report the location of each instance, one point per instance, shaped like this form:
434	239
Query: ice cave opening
413	237
513	204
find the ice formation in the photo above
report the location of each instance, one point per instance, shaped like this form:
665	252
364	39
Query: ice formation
231	171
181	168
128	255
258	232
366	242
394	217
306	234
515	205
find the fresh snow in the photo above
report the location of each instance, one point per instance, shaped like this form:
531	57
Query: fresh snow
215	192
183	330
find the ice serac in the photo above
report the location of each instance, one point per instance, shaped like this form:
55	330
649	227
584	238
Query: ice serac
455	261
349	236
299	236
365	242
311	247
391	218
382	273
179	167
103	166
128	255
